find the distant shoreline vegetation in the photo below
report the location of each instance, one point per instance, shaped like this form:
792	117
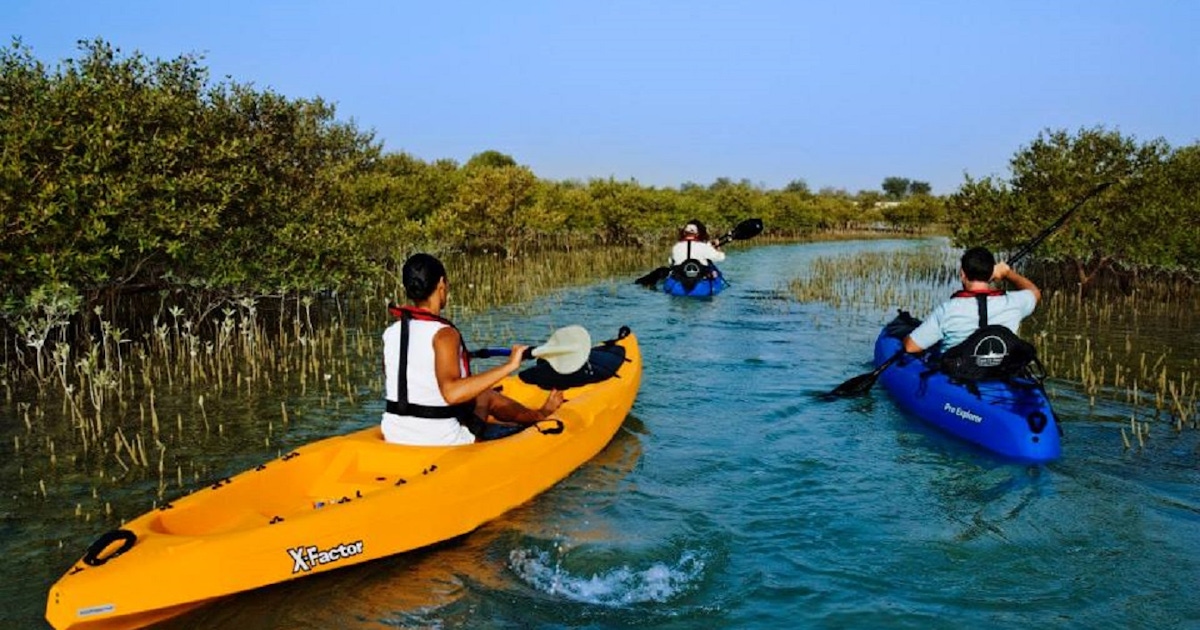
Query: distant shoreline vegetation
123	176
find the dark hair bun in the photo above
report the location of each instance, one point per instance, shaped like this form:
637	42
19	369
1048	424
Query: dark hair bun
420	276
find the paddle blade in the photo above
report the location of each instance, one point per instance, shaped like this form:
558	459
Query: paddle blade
747	229
567	350
654	277
744	230
863	383
856	386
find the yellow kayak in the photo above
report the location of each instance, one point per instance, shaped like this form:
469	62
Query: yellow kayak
341	501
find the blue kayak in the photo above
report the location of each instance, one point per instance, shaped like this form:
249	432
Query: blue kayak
1011	418
703	287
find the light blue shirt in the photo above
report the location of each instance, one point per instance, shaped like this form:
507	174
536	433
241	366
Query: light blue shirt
955	319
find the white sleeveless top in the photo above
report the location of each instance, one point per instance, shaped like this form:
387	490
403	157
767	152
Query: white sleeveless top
422	389
700	250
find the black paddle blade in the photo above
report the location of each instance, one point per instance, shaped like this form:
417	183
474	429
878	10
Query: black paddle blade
862	383
856	386
654	277
746	229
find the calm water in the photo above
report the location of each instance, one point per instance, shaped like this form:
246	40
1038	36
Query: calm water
736	497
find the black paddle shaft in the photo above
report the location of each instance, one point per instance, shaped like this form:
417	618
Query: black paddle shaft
1058	223
863	382
654	277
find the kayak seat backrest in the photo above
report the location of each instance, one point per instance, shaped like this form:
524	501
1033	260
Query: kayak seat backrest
602	364
689	273
992	352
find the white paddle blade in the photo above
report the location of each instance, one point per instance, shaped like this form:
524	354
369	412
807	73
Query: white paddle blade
567	350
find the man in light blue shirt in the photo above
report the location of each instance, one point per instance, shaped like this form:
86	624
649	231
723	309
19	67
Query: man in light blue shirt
954	320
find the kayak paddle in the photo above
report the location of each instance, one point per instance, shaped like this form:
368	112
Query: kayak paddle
740	232
862	383
567	350
1037	240
653	278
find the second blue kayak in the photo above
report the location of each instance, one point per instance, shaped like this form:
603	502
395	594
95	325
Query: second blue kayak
1011	418
703	287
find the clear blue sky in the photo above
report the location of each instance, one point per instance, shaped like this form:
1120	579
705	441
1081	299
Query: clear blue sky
840	94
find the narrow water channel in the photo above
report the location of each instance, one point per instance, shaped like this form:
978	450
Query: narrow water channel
736	497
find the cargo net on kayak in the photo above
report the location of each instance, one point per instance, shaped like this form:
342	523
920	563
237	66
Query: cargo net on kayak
603	363
991	353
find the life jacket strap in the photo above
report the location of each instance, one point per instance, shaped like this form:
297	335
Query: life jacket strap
402	407
425	411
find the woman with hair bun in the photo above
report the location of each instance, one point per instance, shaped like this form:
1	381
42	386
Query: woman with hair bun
432	397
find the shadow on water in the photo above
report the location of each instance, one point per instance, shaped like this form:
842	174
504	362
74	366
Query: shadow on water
736	496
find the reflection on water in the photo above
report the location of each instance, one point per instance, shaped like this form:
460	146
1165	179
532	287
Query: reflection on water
733	497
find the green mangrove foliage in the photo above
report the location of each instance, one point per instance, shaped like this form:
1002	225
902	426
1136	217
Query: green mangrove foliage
1147	221
915	213
897	188
125	175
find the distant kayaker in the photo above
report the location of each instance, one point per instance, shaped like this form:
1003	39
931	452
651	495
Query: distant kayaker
955	319
437	401
694	244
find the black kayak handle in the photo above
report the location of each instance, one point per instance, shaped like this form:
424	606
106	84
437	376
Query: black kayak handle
92	556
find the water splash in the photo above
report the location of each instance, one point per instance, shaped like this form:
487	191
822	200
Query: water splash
658	582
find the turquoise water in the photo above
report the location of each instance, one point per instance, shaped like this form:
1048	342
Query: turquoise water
735	496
